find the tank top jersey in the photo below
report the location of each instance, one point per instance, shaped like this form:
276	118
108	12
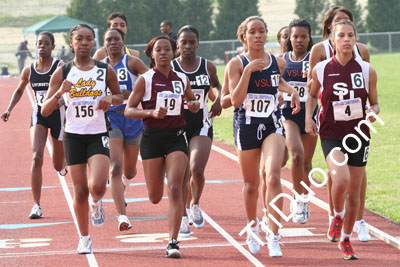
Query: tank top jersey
162	91
126	78
200	84
293	75
330	52
40	81
261	102
343	94
82	116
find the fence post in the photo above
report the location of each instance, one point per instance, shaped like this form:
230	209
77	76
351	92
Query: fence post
390	42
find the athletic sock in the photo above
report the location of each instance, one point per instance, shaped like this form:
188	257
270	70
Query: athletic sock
344	236
340	214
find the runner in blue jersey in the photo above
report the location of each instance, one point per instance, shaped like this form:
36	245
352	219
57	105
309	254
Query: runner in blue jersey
254	78
126	133
300	144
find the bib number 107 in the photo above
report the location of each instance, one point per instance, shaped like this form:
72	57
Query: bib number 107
259	105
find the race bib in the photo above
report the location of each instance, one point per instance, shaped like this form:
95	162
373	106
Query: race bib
199	94
40	96
170	100
301	88
347	110
259	105
122	75
84	111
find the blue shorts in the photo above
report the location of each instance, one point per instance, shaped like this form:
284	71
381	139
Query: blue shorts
130	128
251	136
299	118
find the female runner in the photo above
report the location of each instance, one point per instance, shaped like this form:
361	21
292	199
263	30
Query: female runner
199	132
254	78
163	148
320	52
83	83
38	75
126	133
343	83
300	144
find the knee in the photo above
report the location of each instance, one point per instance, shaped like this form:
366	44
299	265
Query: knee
274	180
175	191
131	174
81	194
116	169
297	157
197	172
97	190
353	200
251	188
37	159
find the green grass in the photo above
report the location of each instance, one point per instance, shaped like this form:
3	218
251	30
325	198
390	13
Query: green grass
383	168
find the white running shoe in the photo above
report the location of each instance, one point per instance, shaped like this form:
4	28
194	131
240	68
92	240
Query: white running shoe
123	223
36	212
362	231
184	230
299	216
274	246
264	224
253	244
307	209
96	212
197	216
85	245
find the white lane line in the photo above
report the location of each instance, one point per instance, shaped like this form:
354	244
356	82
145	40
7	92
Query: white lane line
90	257
385	237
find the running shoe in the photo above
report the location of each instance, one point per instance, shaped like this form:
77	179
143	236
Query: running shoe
197	216
361	229
274	246
253	244
123	223
335	229
347	249
85	245
36	212
184	230
189	216
173	249
97	212
299	216
63	172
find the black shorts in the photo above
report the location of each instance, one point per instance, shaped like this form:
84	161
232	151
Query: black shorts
54	122
357	159
204	131
79	147
298	118
158	143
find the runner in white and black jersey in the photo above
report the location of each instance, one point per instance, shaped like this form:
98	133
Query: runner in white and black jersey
199	132
324	50
38	75
83	83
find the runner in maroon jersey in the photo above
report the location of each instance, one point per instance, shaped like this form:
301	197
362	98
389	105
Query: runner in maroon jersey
344	83
320	52
163	147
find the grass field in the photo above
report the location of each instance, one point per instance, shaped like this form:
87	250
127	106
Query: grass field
383	168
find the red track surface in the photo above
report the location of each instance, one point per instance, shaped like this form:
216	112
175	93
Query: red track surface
222	202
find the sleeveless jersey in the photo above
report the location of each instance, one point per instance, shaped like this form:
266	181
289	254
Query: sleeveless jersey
200	84
40	81
293	75
343	95
161	91
82	116
261	102
330	52
126	78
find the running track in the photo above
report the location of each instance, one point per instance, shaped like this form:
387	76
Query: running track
53	239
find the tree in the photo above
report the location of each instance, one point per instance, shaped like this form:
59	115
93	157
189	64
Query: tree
198	13
313	11
230	14
356	9
383	16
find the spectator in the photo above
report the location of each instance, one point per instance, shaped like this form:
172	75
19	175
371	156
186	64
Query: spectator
63	54
166	28
21	55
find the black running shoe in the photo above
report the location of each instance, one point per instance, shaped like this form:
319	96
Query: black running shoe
173	249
